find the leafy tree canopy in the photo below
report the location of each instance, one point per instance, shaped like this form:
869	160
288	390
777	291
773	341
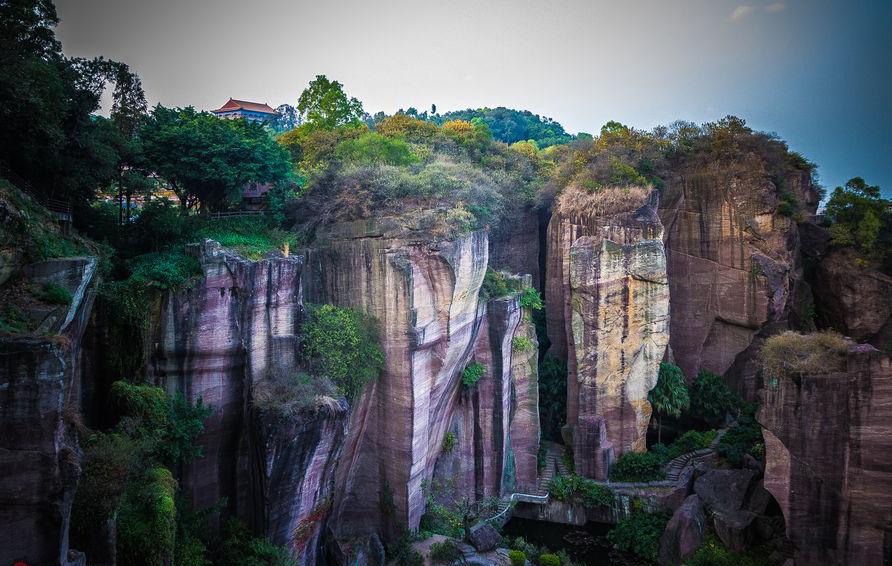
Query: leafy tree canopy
512	126
324	104
208	161
862	218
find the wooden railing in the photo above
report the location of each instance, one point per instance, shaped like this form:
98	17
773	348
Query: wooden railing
236	214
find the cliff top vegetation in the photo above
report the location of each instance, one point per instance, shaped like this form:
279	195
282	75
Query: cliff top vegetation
790	353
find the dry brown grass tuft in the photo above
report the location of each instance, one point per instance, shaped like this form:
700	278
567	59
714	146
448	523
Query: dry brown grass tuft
581	204
790	353
288	395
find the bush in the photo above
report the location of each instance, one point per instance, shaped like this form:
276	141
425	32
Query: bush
639	533
241	548
449	442
530	299
549	560
745	437
690	441
552	395
711	399
373	147
517	557
166	270
13	320
472	374
146	521
714	553
576	489
497	285
341	344
522	344
445	552
54	294
638	467
286	395
160	224
791	353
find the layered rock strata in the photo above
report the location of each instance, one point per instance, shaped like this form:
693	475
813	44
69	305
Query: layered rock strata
827	443
215	341
608	314
39	389
424	293
733	265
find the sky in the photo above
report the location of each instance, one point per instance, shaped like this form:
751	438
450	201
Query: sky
816	72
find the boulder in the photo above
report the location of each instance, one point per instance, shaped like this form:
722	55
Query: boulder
733	528
484	538
684	533
724	491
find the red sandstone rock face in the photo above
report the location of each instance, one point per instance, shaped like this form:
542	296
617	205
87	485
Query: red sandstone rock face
424	294
828	439
855	300
514	245
215	340
732	264
39	452
608	315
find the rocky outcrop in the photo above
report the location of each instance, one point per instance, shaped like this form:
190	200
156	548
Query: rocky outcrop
423	291
827	440
217	339
733	264
853	299
514	244
608	300
39	453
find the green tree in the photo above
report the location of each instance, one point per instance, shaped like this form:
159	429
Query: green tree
670	396
324	104
208	161
861	217
711	399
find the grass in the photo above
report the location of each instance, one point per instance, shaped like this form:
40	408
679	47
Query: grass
252	238
13	320
791	353
577	489
54	294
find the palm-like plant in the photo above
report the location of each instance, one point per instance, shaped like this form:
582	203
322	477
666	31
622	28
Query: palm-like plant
670	396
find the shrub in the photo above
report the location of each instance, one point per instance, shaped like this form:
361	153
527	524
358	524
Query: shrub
160	224
517	557
522	344
54	294
714	553
373	147
549	560
711	399
670	395
241	548
146	521
637	467
341	344
745	437
530	299
472	374
690	441
286	395
13	320
497	284
791	353
445	552
552	395
639	533
576	489
166	270
449	442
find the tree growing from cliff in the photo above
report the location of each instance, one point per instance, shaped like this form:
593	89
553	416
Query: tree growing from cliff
324	104
342	345
670	396
861	218
711	399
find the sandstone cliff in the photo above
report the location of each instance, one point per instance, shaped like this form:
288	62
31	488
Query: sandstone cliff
608	314
827	443
424	292
732	262
39	390
216	340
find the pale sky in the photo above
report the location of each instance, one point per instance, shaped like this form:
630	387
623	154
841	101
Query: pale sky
819	73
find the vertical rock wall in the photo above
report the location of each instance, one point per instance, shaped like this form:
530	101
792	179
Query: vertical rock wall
39	453
733	265
215	340
424	293
608	314
827	444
